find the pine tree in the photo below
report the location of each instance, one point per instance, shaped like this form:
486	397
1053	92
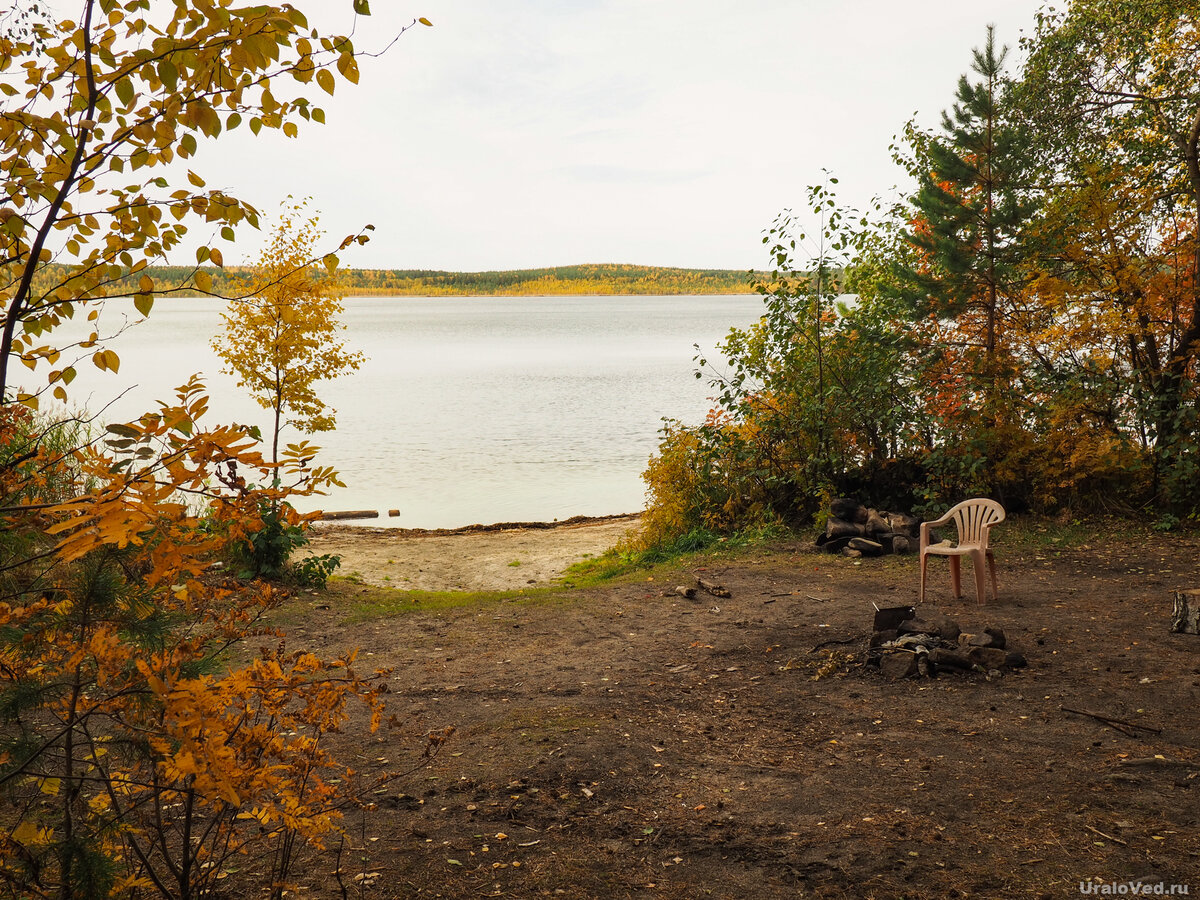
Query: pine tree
970	208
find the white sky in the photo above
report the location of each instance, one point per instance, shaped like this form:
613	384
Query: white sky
529	133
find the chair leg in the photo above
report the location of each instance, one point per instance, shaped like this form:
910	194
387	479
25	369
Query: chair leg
977	563
924	563
956	576
991	558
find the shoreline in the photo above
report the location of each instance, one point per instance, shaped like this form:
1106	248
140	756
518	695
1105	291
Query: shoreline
502	556
477	528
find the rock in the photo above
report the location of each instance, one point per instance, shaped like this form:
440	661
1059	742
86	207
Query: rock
898	664
851	553
890	617
901	544
988	657
1015	660
991	637
947	628
879	638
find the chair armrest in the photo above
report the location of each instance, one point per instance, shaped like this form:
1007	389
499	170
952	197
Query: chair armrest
926	527
944	520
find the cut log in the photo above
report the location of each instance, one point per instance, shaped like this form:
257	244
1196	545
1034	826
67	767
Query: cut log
717	590
902	523
876	524
834	545
866	547
836	527
1185	618
848	509
330	515
950	658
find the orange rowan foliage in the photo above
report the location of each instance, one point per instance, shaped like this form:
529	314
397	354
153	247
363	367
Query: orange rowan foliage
147	751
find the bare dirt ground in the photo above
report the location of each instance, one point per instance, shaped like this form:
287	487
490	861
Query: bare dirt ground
622	741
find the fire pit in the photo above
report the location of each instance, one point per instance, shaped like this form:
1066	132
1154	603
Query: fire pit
905	645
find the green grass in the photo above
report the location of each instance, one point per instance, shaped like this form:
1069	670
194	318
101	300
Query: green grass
689	549
363	602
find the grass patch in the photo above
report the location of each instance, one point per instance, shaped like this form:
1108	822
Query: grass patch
684	551
363	602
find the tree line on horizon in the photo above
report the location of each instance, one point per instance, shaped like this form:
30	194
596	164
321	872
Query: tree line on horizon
593	279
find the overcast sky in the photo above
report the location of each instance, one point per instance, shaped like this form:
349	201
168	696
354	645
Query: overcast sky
529	133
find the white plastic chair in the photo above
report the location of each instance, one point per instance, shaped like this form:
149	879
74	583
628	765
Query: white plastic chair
973	519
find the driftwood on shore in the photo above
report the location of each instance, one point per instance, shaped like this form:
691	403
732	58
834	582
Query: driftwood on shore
331	515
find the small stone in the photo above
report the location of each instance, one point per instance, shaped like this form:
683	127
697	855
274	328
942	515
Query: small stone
879	638
898	664
1015	660
947	628
850	553
990	637
987	657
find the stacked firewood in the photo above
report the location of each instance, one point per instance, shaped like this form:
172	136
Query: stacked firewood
854	530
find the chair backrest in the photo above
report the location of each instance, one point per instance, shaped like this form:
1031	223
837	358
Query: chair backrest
973	518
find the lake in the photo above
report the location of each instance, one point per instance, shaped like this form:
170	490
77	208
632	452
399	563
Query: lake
468	409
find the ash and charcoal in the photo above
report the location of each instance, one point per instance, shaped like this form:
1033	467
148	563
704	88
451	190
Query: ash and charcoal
905	645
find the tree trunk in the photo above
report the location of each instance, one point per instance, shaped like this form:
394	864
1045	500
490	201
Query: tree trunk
1185	617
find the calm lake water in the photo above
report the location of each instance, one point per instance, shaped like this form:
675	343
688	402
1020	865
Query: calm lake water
469	409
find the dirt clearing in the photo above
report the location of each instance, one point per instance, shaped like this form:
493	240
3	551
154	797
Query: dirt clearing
624	741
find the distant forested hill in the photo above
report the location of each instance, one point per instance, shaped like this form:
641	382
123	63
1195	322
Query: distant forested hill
586	279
